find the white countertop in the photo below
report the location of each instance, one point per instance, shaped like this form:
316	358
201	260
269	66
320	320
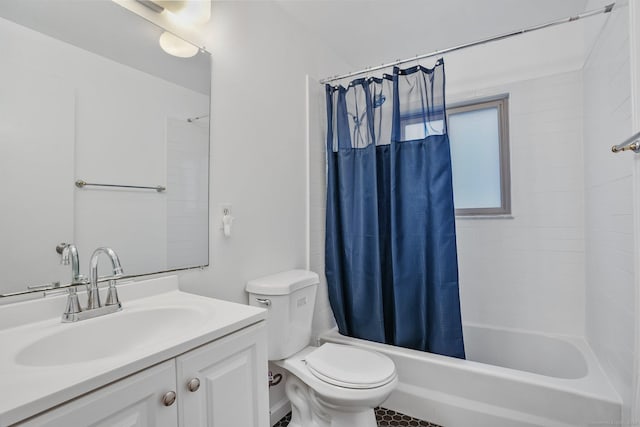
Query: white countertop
29	390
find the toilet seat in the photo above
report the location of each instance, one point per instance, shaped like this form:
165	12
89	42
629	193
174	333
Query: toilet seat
350	367
338	404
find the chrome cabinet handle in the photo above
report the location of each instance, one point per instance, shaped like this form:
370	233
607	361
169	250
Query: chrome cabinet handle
193	384
264	301
169	398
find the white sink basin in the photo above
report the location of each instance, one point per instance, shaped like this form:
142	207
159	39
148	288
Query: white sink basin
109	335
44	362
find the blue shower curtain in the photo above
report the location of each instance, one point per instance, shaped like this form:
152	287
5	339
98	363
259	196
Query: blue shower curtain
391	262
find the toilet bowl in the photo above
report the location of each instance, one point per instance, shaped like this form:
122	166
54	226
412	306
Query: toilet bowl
332	385
337	385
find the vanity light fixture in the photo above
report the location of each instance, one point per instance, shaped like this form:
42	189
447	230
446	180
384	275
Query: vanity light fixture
186	12
175	46
182	13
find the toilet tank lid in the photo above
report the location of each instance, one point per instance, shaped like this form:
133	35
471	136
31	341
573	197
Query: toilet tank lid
282	283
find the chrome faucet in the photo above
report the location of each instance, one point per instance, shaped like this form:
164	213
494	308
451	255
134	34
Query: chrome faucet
92	289
74	312
69	254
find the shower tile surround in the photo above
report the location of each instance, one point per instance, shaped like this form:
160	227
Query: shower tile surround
610	283
385	418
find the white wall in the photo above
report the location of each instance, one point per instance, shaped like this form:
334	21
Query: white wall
634	41
36	192
258	146
610	285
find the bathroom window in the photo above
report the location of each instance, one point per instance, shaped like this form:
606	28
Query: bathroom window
479	138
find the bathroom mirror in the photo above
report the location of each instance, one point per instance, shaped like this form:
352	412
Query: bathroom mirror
87	94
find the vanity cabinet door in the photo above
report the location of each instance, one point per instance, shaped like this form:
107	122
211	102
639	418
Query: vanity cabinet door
135	401
225	383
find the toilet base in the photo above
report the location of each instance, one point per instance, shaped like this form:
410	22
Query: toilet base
309	410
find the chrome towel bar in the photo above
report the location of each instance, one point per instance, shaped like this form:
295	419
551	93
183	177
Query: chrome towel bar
632	143
80	184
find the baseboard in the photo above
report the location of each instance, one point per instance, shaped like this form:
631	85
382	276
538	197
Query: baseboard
279	410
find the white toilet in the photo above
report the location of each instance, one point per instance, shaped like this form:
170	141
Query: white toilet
329	386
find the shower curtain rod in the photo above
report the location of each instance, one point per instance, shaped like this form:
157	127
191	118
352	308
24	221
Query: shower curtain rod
587	14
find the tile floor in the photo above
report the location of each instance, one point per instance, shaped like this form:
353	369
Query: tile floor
385	417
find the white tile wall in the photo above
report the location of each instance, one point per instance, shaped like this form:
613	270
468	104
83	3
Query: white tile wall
187	192
527	272
610	293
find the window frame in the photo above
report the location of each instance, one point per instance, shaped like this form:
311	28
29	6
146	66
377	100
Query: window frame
501	102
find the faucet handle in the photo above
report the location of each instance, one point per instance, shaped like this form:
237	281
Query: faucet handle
60	247
73	304
93	297
63	250
80	280
112	294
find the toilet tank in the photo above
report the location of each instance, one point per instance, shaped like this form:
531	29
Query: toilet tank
289	298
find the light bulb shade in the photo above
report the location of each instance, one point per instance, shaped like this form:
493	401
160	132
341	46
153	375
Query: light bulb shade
176	46
174	6
196	12
187	12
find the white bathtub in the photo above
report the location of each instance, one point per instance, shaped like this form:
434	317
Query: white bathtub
510	379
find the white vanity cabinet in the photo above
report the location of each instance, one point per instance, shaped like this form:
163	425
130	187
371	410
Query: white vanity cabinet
232	378
219	384
133	401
